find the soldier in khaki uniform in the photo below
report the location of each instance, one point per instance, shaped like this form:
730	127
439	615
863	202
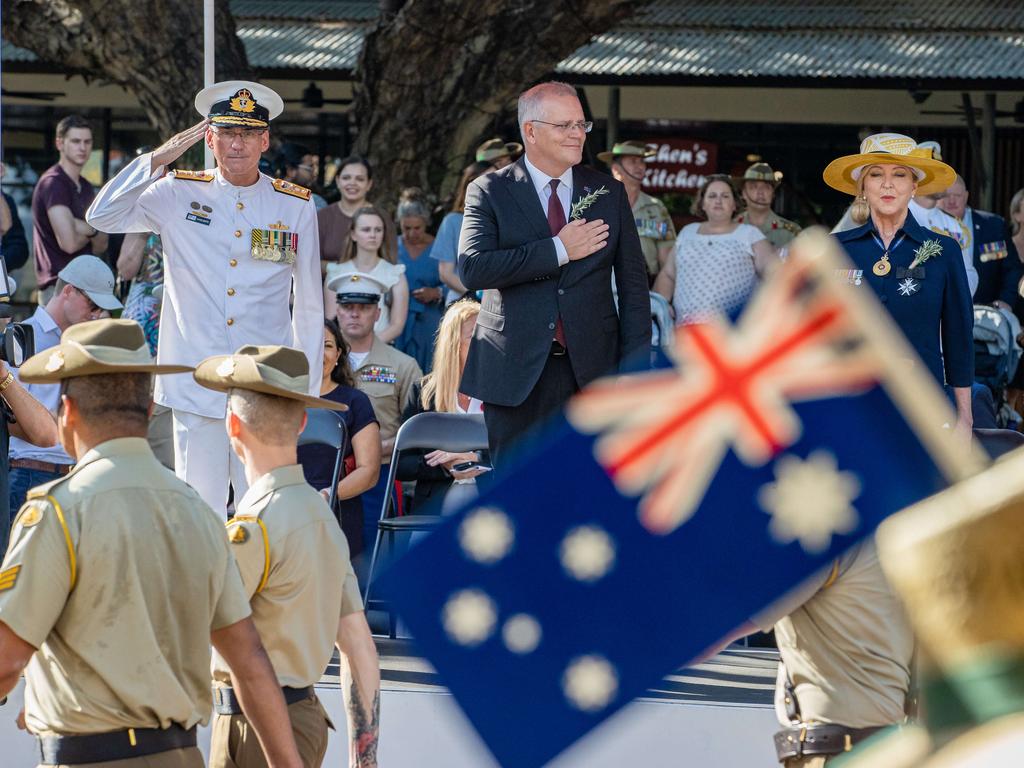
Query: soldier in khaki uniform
628	163
757	186
118	577
382	372
294	562
845	653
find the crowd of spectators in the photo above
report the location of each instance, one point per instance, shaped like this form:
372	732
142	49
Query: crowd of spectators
396	308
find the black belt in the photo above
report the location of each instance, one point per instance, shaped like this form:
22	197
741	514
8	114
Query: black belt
819	739
116	745
226	703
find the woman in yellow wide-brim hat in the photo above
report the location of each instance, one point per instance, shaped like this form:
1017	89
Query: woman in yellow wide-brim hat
918	275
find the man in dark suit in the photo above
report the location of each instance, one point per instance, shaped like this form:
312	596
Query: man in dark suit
995	257
541	238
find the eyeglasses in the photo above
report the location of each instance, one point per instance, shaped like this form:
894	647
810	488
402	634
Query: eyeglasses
248	136
93	306
568	125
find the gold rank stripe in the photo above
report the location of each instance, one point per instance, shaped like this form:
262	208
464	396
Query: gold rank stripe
72	561
9	577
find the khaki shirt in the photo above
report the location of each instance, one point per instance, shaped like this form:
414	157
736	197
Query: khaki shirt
387	377
846	644
777	230
118	573
295	566
654	226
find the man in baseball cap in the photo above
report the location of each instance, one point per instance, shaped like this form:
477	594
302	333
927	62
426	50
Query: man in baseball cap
84	291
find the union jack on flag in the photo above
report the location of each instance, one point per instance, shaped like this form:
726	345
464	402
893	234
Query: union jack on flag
671	506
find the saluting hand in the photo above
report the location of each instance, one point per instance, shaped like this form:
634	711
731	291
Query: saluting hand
177	145
582	238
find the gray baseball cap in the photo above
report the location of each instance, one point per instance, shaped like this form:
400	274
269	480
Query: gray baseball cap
93	277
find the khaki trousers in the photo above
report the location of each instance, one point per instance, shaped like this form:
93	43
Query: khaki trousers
233	742
187	757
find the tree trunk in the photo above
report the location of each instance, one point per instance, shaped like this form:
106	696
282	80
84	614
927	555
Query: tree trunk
154	48
434	75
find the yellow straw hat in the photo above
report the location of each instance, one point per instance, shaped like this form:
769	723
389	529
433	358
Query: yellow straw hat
932	175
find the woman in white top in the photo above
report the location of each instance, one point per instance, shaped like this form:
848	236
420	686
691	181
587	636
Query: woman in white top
718	262
367	252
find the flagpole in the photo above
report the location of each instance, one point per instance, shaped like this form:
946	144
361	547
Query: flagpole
208	53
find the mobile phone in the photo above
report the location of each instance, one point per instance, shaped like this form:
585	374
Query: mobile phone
465	466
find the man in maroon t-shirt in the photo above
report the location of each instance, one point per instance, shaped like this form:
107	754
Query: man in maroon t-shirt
59	202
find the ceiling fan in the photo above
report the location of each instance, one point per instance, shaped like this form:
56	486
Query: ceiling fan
37	95
313	98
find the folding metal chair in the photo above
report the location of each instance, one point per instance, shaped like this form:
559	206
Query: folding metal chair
325	427
454	432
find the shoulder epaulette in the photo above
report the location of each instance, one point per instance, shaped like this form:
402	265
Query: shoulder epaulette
294	190
791	226
238	534
193	175
44	490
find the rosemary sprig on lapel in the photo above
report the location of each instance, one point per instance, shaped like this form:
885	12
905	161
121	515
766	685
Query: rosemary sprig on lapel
928	249
585	202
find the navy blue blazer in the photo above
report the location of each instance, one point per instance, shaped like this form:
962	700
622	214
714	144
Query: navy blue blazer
506	250
931	303
995	258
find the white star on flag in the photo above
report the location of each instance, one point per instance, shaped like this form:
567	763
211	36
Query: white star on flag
469	617
486	535
810	501
587	553
590	683
521	633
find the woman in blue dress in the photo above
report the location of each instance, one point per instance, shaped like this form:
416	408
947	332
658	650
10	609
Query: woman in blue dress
918	275
426	291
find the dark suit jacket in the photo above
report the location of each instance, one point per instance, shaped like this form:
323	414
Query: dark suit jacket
997	278
506	249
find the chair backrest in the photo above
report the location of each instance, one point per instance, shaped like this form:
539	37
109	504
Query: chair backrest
455	432
326	427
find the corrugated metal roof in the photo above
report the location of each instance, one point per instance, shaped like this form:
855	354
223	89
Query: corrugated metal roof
801	54
860	39
302	45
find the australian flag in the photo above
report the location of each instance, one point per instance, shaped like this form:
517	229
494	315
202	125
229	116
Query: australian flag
671	506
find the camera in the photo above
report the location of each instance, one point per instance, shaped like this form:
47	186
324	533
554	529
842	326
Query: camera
17	344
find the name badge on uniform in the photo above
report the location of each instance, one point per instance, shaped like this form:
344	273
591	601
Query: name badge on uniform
381	374
850	276
994	251
275	245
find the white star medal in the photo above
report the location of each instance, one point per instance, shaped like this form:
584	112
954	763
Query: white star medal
908	287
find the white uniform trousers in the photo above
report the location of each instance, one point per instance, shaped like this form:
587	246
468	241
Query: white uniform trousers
203	458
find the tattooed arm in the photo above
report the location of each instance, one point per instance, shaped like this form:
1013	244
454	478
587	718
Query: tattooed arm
360	686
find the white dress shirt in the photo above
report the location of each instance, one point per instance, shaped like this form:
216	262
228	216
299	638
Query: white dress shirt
217	295
46	335
542	183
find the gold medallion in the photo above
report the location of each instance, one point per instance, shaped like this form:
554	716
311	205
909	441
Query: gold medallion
882	266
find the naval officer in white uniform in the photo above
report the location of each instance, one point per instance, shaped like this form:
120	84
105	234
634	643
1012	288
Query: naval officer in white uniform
238	245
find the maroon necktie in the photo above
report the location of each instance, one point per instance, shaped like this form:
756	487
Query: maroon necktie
556	220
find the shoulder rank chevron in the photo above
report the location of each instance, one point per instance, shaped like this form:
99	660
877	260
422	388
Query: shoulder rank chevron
292	189
193	175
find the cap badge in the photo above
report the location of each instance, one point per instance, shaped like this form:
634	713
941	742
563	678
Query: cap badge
56	361
227	367
243	101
